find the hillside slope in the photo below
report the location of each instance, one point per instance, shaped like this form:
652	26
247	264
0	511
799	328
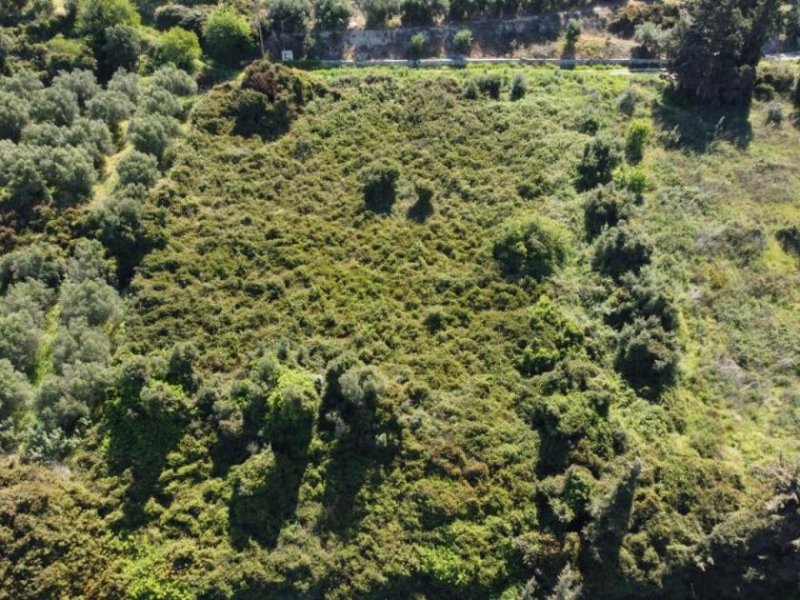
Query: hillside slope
402	335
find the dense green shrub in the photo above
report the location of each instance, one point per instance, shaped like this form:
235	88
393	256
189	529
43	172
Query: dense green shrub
41	262
178	15
125	83
461	10
519	87
641	297
572	32
360	388
647	356
121	49
651	40
181	48
119	225
378	12
601	155
66	54
15	391
530	248
638	133
462	41
138	168
111	107
181	366
288	17
227	36
789	239
488	84
716	48
82	83
632	179
620	250
55	105
604	207
627	101
417	45
158	101
89	261
13	116
333	15
174	80
96	16
95	301
30	296
78	343
19	341
152	134
423	12
292	410
70	172
774	113
5	51
379	185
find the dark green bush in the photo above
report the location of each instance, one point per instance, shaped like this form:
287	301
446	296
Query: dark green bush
96	16
54	105
288	17
601	155
620	250
95	301
333	15
82	83
66	54
378	12
638	133
152	134
519	87
530	248
605	206
19	341
178	15
41	262
227	36
789	239
181	48
137	168
641	297
111	107
379	185
13	116
572	32
15	391
417	45
647	356
462	41
121	49
423	12
487	85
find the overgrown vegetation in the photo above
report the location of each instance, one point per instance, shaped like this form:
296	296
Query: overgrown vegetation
470	333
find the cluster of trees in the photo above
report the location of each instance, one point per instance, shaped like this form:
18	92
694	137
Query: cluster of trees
716	48
53	139
639	306
57	378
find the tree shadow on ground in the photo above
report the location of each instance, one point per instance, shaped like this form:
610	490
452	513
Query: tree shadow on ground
138	448
600	555
260	513
696	128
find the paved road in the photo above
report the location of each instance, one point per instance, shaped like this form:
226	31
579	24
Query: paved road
625	64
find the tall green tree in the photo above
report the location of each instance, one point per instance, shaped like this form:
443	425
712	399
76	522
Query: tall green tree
716	48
